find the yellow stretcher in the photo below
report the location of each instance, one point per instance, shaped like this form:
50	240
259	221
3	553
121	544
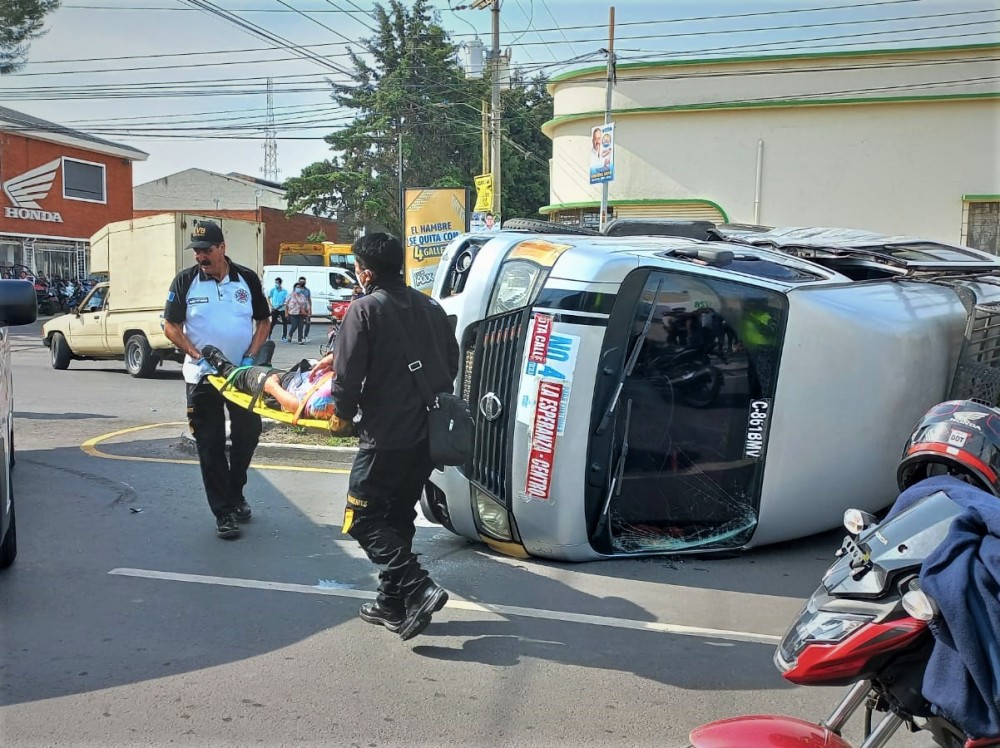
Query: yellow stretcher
256	404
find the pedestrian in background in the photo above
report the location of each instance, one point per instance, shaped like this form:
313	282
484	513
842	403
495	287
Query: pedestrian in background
393	461
296	307
277	297
308	320
217	302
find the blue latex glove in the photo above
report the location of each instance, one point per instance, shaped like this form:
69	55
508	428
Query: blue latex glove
247	361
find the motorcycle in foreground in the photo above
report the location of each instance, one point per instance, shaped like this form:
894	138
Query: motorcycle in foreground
866	626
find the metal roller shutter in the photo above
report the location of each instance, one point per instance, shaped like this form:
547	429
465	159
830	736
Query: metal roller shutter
693	211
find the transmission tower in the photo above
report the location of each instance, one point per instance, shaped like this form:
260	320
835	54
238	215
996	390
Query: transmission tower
270	146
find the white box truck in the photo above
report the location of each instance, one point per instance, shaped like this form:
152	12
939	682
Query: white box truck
121	319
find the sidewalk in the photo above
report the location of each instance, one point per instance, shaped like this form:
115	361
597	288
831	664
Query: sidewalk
340	455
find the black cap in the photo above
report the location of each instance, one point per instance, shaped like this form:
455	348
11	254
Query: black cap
205	234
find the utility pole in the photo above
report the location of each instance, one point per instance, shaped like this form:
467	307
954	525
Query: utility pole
486	137
495	111
607	105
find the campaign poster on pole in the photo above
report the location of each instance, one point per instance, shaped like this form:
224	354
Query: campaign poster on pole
602	153
434	216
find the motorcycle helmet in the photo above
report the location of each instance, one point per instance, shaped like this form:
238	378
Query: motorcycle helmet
958	437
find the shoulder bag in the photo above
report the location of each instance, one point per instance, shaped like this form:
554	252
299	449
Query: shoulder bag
450	430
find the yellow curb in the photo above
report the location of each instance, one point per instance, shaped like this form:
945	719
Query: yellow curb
90	447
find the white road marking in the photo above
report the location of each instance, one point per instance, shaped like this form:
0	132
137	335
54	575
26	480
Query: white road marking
459	604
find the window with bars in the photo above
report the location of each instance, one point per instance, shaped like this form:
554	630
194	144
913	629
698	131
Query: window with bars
982	225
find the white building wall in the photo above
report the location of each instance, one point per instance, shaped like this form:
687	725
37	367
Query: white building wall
885	141
893	168
197	189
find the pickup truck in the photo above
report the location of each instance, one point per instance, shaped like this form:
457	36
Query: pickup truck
121	319
95	332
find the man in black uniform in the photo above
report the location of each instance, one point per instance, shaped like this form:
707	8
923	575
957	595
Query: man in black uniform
393	461
217	302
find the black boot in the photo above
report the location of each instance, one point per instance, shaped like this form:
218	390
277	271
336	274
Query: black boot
419	609
383	615
218	360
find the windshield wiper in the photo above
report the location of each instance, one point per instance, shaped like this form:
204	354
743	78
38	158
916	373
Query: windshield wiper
630	363
615	487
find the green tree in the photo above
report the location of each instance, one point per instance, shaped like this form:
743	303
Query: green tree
408	85
21	21
525	149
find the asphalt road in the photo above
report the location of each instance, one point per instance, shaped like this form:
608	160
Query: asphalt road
125	621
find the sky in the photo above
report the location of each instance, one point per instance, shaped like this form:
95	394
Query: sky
190	88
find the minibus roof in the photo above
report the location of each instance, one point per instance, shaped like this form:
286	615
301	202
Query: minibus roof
909	252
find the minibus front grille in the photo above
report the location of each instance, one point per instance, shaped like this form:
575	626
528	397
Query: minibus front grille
493	400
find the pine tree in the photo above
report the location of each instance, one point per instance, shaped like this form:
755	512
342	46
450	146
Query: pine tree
410	88
20	22
413	85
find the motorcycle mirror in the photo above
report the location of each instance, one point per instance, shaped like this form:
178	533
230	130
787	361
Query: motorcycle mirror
856	521
918	604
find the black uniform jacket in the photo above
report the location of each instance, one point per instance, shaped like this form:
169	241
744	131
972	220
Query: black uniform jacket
371	364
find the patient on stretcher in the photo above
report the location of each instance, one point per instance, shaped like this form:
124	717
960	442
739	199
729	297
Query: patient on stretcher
281	389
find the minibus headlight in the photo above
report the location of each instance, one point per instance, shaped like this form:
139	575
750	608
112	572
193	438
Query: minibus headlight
516	286
493	518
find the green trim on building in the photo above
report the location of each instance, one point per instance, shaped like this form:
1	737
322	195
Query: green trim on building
564	118
980	198
547	209
602	70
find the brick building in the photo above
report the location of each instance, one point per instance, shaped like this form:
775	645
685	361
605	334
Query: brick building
59	186
232	196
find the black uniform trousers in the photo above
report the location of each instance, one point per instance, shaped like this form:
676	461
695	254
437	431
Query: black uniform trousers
224	479
384	488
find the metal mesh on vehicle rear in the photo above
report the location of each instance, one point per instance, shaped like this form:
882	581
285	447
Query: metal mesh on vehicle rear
977	376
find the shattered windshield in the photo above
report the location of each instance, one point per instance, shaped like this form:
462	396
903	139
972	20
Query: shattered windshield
699	398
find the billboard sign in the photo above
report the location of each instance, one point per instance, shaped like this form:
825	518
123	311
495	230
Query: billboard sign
602	153
434	217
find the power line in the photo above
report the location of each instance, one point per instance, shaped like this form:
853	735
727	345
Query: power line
758	30
318	23
293	83
561	32
361	12
550	42
557	27
768	47
261	33
201	115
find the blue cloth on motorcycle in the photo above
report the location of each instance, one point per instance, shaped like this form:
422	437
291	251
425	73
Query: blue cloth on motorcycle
962	575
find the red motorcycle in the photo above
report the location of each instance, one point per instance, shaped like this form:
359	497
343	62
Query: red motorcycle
337	311
866	626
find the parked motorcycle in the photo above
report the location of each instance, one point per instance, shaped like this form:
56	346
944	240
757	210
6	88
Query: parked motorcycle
46	297
866	626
